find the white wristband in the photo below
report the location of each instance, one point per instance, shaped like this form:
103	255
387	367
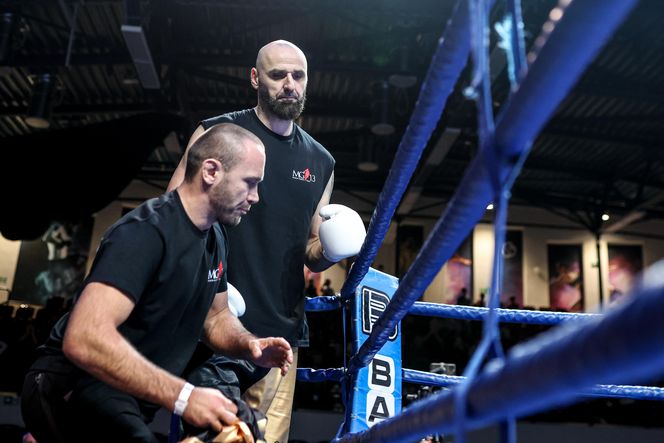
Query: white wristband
182	401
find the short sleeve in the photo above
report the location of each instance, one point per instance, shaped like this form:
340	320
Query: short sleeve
128	258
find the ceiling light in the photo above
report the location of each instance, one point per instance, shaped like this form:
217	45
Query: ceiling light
367	161
489	207
605	217
139	50
7	26
382	128
380	110
367	166
403	78
39	111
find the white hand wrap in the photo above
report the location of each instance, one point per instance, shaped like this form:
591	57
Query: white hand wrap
342	232
235	301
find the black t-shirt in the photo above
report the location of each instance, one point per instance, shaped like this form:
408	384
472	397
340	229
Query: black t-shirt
170	269
268	246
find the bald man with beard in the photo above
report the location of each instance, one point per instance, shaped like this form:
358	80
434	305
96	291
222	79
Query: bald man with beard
283	232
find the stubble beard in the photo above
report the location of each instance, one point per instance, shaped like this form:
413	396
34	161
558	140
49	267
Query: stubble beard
225	214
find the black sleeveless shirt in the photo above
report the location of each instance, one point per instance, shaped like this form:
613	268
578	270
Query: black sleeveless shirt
267	248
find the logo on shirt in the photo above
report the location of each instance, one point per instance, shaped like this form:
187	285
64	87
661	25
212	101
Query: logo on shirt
305	176
213	274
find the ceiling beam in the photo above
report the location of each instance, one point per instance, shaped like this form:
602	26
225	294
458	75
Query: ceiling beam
636	214
583	171
108	54
603	135
316	107
435	157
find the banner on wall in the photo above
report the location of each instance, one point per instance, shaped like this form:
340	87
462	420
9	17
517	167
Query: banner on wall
565	278
512	294
458	275
625	263
54	265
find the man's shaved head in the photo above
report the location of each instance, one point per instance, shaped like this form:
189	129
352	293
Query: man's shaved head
269	51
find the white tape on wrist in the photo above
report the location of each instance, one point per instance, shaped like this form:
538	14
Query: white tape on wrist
183	399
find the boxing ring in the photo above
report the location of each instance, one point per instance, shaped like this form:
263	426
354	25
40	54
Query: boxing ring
576	359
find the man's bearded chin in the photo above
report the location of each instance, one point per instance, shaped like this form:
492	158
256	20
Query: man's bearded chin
282	110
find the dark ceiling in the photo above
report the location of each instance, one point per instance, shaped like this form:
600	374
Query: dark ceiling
602	151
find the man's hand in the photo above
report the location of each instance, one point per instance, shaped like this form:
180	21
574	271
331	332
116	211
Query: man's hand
271	352
209	409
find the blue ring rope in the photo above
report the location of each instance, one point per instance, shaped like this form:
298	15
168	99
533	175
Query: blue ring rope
427	378
446	66
577	56
322	303
504	315
550	370
603	391
523	116
330	303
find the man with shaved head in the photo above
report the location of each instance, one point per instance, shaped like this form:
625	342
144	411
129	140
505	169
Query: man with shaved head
270	248
277	102
156	287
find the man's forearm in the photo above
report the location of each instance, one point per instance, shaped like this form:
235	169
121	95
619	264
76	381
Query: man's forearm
225	334
314	258
108	356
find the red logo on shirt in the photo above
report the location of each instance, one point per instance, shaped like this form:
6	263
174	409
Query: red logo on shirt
305	176
215	274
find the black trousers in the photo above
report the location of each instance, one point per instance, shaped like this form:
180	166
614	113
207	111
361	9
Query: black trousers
44	408
90	412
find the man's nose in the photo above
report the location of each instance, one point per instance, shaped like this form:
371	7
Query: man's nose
289	82
253	196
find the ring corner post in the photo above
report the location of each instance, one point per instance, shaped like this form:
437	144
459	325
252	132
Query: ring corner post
375	390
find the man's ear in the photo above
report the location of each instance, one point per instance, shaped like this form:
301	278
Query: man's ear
211	170
254	78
